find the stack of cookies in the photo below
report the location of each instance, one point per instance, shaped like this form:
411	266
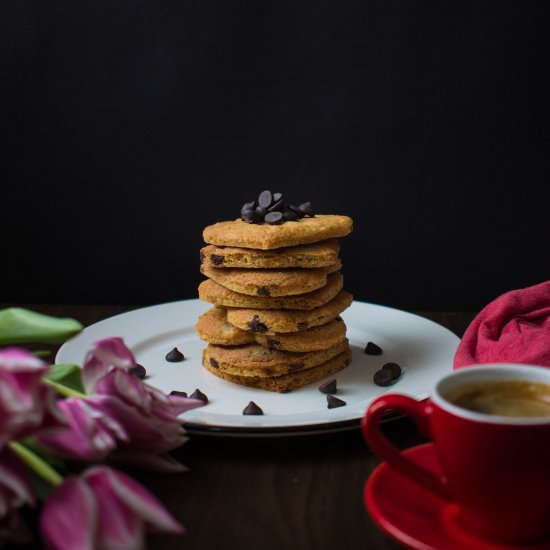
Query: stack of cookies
277	292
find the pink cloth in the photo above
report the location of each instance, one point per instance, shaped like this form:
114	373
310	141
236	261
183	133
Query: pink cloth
514	328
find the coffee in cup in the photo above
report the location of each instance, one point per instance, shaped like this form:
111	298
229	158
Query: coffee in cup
517	398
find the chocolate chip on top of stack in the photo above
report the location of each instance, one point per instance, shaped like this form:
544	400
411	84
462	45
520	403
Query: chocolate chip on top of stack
273	277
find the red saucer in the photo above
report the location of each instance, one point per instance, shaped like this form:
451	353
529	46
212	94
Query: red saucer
415	517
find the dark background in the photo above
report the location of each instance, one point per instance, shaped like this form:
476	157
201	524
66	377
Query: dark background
130	125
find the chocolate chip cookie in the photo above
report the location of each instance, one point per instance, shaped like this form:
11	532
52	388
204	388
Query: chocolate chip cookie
266	237
270	322
305	256
213	327
286	382
214	293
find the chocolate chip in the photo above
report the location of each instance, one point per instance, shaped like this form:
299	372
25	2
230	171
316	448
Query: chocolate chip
262	291
383	377
373	349
265	199
175	356
217	259
273	343
289	215
307	209
250	216
197	394
294	367
296	210
261	211
302	325
277	206
328	387
248	206
256	326
138	370
252	409
214	363
178	393
333	402
274	218
395	370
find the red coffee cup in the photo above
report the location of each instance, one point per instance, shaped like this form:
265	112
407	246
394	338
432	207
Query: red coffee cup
496	468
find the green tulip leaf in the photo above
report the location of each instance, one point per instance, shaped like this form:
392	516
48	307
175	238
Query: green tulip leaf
23	326
66	375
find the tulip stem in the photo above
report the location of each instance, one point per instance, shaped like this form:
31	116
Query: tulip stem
37	464
64	390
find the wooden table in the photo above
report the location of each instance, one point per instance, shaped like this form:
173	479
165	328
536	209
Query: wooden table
270	493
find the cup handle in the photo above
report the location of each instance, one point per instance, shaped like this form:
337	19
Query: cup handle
419	412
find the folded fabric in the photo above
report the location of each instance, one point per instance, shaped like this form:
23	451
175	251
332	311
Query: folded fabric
514	328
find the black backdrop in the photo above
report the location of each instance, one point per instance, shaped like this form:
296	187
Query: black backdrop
130	125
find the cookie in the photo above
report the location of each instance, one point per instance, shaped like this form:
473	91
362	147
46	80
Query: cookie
287	382
314	338
305	256
271	282
266	237
213	327
256	360
269	321
214	293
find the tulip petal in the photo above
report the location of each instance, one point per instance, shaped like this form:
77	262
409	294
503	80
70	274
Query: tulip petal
69	517
142	503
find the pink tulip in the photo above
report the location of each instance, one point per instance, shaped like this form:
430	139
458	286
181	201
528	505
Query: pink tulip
125	420
108	510
15	491
105	355
26	404
91	434
149	416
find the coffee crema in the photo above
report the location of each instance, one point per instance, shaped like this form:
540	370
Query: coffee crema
517	398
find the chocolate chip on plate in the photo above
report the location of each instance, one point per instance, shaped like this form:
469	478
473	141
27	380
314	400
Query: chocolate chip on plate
217	259
263	291
394	368
175	356
252	409
328	387
214	363
372	349
265	199
274	218
383	377
138	370
197	394
333	402
178	393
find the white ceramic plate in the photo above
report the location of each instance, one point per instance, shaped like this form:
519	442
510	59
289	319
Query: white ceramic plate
421	347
